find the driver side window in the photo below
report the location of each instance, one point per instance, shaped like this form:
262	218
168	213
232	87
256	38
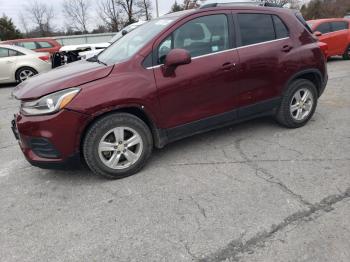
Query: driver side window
200	36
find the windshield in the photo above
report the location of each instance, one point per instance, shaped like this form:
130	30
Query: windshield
119	35
131	43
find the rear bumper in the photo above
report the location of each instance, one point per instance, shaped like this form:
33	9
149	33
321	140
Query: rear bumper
50	141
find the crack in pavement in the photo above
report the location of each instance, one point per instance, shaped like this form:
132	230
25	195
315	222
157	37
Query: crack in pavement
259	160
237	247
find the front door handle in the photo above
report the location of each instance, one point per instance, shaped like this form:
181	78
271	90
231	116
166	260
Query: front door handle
287	48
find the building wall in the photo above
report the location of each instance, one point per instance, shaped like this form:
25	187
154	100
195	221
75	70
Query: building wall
84	39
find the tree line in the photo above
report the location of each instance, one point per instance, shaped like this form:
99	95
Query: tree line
37	17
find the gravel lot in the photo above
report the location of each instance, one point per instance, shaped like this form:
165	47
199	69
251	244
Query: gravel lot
252	192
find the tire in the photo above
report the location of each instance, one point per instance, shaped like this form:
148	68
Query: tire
21	72
290	113
346	55
104	132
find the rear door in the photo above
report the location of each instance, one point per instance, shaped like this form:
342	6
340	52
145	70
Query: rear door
265	53
208	85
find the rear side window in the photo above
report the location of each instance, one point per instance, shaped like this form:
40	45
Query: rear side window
256	28
28	45
280	27
44	44
324	28
337	26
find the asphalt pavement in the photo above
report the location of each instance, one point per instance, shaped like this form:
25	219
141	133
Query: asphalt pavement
250	192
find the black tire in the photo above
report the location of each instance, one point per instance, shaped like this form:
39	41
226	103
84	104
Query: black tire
346	55
22	69
103	126
284	114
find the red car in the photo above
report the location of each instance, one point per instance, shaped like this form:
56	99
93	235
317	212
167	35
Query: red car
173	77
335	32
47	45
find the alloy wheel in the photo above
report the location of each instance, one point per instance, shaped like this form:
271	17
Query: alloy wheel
25	74
301	104
120	148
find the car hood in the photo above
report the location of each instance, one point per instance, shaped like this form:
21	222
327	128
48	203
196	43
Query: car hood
71	75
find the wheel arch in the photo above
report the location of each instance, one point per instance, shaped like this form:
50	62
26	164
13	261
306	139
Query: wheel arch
313	75
24	66
159	135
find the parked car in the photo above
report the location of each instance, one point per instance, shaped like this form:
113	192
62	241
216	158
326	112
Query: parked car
71	53
120	34
46	45
335	32
17	64
175	76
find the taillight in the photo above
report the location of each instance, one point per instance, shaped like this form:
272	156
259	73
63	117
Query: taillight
45	58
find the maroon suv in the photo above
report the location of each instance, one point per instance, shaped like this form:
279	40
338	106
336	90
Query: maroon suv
176	76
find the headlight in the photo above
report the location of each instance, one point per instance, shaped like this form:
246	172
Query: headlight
51	103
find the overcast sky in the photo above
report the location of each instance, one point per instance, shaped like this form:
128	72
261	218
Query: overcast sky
12	8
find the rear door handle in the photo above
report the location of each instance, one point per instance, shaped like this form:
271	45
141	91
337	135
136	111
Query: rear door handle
286	48
228	66
9	62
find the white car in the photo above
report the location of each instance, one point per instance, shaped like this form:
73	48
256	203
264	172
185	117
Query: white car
17	64
120	34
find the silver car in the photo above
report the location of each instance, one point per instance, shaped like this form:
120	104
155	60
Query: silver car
17	64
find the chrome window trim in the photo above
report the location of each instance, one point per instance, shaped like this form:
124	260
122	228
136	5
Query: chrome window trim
227	50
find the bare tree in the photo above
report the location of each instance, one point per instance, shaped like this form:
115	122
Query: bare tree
145	9
23	23
41	15
110	13
77	13
128	7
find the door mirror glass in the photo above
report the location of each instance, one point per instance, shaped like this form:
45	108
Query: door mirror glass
175	58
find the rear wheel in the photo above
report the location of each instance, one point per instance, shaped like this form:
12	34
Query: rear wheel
24	73
346	55
298	104
117	145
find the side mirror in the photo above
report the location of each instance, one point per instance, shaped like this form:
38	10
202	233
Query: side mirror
175	58
317	34
124	32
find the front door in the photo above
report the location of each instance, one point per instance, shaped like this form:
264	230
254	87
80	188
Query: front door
207	86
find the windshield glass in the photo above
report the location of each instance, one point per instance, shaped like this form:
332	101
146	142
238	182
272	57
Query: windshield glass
132	42
119	35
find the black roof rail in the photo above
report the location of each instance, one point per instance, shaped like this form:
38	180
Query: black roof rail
258	3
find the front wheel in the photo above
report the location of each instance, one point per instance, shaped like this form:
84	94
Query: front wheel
298	104
117	145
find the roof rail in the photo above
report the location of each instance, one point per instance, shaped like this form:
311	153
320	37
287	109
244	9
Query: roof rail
258	3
